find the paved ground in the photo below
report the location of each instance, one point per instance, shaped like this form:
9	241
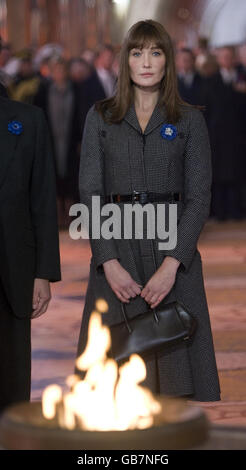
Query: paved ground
223	250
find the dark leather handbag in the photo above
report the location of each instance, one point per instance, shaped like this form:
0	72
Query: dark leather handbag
151	331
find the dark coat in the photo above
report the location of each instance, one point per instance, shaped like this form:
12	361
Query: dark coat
29	243
91	90
192	94
225	116
112	161
68	186
241	72
3	91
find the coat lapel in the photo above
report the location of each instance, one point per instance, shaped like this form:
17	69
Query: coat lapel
157	117
8	140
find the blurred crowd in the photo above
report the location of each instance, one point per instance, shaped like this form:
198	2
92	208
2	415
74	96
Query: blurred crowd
66	89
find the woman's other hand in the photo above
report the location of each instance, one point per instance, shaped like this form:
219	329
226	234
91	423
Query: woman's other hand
162	281
120	281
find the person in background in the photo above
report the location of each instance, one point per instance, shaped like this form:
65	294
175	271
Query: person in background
3	91
205	61
241	68
208	67
58	98
79	70
241	86
225	115
189	80
5	79
201	52
29	240
44	69
101	82
25	84
89	56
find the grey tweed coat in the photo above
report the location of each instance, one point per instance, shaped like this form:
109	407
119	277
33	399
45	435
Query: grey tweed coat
113	161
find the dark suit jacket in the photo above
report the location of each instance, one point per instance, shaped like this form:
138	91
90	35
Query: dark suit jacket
91	90
68	186
225	115
192	94
3	91
29	242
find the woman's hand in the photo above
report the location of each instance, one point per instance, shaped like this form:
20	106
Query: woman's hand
162	281
120	281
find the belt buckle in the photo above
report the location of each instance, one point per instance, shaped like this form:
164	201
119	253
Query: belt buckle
140	196
143	197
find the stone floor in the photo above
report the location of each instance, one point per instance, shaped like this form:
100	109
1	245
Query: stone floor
223	250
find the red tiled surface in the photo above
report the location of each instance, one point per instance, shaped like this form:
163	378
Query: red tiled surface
223	251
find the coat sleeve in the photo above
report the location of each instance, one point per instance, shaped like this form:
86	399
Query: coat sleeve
91	182
197	190
43	204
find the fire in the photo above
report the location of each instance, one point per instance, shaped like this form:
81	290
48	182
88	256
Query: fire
109	398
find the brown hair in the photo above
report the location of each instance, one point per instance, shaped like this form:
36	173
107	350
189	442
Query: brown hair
139	35
102	47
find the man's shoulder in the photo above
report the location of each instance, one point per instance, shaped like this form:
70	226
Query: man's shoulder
22	109
92	78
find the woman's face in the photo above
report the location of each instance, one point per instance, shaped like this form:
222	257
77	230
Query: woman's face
147	66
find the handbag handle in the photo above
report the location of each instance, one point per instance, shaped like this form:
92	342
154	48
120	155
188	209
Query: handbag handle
127	320
154	309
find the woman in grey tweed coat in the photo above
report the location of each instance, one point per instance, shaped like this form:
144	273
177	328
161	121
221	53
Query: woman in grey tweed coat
123	149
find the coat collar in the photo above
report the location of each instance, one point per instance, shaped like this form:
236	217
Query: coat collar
8	140
157	117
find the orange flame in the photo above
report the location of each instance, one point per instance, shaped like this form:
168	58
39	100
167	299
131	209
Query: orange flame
102	401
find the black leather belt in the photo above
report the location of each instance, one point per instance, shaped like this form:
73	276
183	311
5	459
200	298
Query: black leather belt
143	197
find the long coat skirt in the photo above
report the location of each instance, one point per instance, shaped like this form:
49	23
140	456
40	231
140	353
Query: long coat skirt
117	158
